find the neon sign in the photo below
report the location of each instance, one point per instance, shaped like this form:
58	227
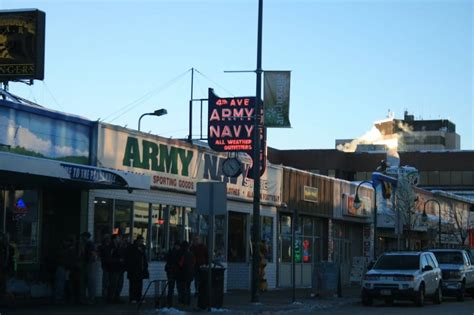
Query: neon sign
231	126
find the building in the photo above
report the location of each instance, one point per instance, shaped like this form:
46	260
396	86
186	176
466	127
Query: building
407	135
46	175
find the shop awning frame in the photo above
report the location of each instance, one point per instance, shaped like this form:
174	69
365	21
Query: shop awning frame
23	171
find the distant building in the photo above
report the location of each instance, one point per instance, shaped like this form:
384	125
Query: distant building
411	135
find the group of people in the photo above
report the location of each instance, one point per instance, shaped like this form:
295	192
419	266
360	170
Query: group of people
117	257
75	277
183	263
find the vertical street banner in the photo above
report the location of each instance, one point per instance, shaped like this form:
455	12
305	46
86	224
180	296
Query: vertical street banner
276	99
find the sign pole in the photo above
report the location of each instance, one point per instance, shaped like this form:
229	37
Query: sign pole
256	163
210	249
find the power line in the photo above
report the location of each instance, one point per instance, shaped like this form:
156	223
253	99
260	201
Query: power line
125	109
214	82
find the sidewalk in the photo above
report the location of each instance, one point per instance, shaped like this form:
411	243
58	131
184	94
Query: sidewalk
277	301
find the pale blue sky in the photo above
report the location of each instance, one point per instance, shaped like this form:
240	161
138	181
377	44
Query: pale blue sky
351	61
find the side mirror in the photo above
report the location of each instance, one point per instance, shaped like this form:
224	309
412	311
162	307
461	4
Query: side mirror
427	268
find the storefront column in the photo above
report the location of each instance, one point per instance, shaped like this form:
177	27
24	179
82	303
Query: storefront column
330	240
84	221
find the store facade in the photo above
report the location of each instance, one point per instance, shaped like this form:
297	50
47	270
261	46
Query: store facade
352	229
307	203
166	213
45	178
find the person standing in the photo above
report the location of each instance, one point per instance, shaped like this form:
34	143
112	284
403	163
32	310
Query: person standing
88	256
172	269
105	256
7	262
117	268
137	268
201	258
61	272
185	274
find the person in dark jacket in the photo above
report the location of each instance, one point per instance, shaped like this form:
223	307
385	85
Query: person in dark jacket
201	258
7	262
117	269
137	268
185	274
172	268
105	256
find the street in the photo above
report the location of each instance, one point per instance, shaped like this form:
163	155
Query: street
449	306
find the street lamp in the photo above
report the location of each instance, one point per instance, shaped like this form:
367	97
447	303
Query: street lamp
158	112
357	205
425	217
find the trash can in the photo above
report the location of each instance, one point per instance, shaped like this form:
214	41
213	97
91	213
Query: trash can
217	293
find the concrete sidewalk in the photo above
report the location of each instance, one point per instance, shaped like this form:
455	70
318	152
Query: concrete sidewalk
277	301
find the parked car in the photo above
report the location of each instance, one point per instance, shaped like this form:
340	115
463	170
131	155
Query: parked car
403	276
457	271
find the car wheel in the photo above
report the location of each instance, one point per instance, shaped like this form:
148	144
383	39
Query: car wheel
420	297
438	298
367	300
461	292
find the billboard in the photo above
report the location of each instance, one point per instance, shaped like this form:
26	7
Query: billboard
22	34
44	134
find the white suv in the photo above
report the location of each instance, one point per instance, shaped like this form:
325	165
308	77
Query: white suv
403	276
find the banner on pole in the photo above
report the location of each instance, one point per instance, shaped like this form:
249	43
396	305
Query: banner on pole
276	99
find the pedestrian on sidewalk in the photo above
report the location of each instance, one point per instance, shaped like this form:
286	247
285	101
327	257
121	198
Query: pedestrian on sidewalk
117	269
185	274
137	268
172	269
105	256
88	257
61	272
7	263
201	258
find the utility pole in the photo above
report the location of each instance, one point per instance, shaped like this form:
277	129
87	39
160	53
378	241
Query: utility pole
256	164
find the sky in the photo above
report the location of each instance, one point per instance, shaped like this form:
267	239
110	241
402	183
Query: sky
351	62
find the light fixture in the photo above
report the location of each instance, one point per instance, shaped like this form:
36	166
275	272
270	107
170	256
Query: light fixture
158	112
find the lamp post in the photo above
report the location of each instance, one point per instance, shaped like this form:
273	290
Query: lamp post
158	112
357	205
439	221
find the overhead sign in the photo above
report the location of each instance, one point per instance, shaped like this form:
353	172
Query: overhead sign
276	99
178	166
231	124
22	44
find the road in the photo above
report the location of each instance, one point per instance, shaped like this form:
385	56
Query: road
448	307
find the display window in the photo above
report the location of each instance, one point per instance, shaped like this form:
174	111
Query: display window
22	223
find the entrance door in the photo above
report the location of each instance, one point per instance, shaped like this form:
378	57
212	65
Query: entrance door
307	246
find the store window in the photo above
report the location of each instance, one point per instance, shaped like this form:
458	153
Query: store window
123	218
21	223
102	218
285	235
140	221
267	236
158	229
219	234
237	242
175	225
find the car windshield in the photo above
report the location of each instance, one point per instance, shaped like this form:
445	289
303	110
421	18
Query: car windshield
454	258
400	262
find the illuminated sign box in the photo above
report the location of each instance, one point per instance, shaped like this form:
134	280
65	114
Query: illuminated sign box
22	34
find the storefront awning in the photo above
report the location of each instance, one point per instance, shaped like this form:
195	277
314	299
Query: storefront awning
20	171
